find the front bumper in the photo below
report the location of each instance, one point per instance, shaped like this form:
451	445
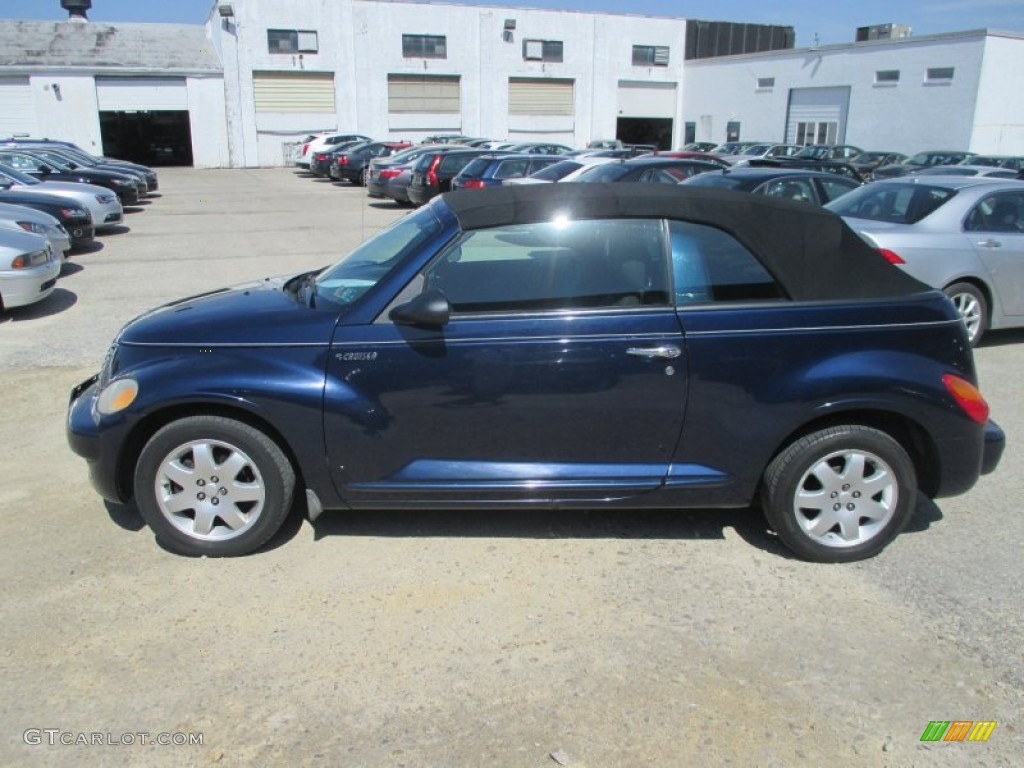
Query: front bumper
99	448
127	195
23	287
82	233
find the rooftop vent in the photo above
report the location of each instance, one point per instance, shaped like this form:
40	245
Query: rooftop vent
76	9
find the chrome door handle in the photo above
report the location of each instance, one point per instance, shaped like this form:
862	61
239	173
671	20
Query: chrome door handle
667	352
990	244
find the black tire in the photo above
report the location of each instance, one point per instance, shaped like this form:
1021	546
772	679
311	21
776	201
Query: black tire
213	486
970	302
857	478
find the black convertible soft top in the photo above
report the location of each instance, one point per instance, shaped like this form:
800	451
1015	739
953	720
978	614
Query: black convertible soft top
809	250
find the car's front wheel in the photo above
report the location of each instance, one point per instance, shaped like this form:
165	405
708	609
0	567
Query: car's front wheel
973	308
214	486
840	494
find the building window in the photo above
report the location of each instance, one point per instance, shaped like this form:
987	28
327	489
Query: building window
732	130
292	41
650	55
424	94
816	133
765	83
542	50
424	47
939	75
887	77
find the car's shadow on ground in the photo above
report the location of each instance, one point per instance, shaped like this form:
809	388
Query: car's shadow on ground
388	205
60	300
69	268
120	229
1002	337
83	250
621	524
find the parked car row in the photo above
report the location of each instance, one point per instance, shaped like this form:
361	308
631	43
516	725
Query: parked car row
54	199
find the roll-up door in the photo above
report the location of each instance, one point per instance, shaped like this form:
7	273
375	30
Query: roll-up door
817	115
17	108
647	99
434	94
293	91
540	96
141	94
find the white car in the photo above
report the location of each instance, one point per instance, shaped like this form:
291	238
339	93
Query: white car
22	219
321	141
101	203
28	268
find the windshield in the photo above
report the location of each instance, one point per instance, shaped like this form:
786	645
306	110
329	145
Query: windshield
18	176
899	203
338	286
56	160
607	172
557	171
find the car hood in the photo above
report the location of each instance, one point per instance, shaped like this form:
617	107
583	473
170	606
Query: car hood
15	243
255	314
28	196
68	188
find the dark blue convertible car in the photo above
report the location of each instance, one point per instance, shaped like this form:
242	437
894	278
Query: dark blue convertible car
567	345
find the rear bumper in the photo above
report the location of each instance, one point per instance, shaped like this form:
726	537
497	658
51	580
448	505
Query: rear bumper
995	442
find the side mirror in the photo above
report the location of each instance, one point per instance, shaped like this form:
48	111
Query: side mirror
430	309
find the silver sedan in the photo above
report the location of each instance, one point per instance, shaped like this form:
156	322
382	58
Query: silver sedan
964	235
22	219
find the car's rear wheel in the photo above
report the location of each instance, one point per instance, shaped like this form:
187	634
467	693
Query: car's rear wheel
840	494
213	486
973	308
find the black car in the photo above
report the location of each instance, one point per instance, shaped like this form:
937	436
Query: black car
644	169
77	158
866	162
494	168
383	170
433	173
804	186
921	160
350	165
562	346
73	216
125	187
321	160
837	167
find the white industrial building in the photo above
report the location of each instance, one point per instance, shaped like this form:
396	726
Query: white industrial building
261	74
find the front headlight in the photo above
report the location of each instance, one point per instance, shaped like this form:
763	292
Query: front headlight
33	226
117	396
74	213
123	182
28	260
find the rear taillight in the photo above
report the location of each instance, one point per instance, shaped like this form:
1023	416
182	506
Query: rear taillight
472	184
389	174
432	171
342	160
890	256
321	156
967	396
305	148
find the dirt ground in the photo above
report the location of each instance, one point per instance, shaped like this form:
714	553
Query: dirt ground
587	639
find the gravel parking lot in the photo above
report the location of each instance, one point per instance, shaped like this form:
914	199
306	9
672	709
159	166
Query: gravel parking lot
462	639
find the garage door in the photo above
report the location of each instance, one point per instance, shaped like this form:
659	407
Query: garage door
534	96
138	94
293	91
17	108
817	115
639	99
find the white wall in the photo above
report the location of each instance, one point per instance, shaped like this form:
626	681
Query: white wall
361	43
999	118
910	116
70	112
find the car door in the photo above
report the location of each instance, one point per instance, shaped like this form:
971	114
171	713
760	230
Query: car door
560	375
995	229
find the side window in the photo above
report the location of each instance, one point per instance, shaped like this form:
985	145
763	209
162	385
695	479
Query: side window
710	265
555	266
512	169
1001	212
790	189
833	188
452	164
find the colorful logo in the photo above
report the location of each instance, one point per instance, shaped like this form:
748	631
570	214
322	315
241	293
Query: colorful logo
958	730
